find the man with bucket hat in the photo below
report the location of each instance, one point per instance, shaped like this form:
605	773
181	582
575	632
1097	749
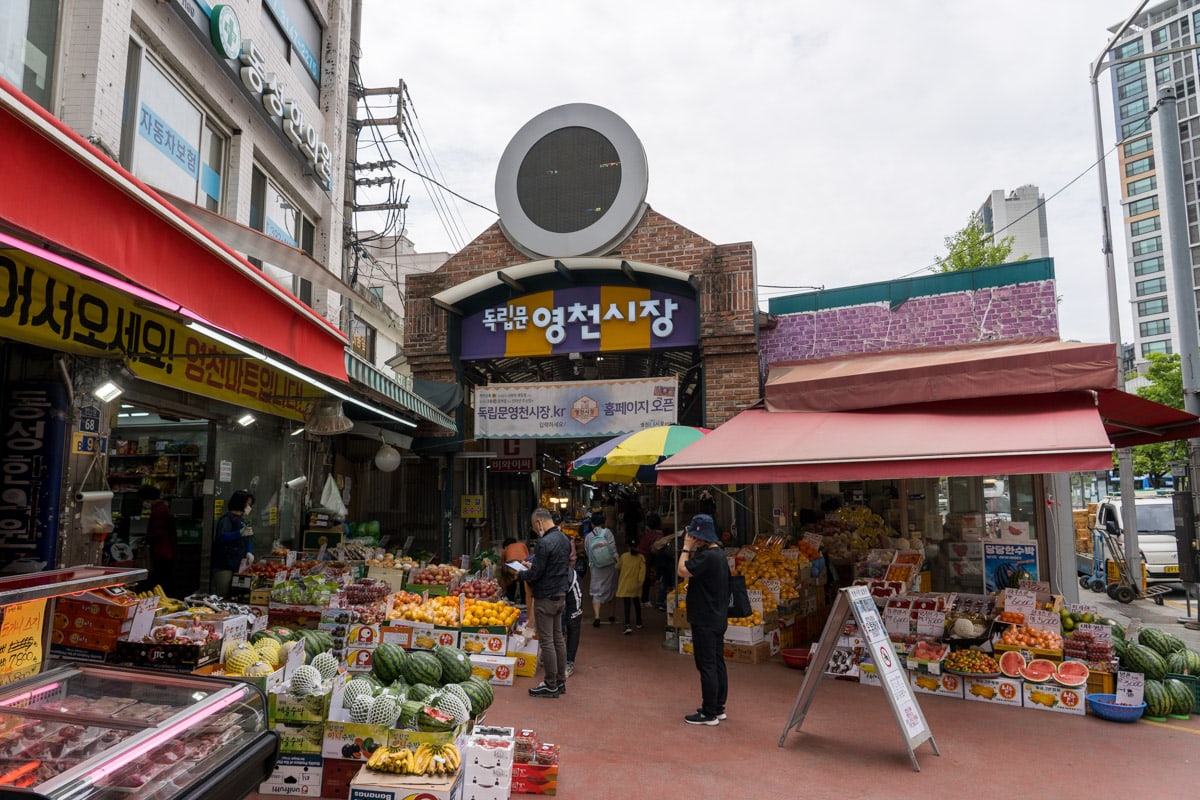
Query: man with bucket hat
702	562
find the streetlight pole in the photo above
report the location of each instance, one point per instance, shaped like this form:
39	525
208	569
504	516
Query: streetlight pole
1133	560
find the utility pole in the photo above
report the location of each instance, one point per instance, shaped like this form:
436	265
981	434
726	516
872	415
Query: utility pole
1182	274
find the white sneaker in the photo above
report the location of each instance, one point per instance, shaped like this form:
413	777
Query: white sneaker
570	669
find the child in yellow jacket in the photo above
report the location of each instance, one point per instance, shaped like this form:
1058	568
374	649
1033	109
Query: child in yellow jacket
631	573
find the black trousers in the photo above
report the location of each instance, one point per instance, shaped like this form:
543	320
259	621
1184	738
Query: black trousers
709	654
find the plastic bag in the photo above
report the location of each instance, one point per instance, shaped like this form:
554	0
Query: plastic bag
331	497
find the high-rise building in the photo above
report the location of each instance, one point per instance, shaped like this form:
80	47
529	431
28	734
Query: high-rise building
1021	215
1136	83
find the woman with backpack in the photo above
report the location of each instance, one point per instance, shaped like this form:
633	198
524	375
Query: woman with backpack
601	548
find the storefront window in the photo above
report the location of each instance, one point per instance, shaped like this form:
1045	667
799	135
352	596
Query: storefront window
169	140
28	34
274	213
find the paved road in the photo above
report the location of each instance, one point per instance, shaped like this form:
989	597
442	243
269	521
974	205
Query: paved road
1167	617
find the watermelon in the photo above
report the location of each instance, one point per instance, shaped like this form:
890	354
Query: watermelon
478	696
355	688
326	664
1011	663
306	680
383	711
1191	661
1140	658
1072	673
1158	641
409	711
433	719
420	691
1174	643
1158	702
360	709
1039	670
449	703
456	664
1180	696
1118	630
387	662
422	667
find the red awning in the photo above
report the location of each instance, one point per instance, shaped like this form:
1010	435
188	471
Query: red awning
62	193
989	369
1131	420
991	436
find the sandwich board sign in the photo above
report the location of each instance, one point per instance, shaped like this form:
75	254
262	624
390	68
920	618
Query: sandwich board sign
857	600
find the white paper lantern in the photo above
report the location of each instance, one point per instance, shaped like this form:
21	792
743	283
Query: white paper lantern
387	458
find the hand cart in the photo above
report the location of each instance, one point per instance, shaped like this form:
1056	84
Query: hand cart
1125	589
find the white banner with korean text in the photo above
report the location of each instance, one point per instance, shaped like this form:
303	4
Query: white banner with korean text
574	410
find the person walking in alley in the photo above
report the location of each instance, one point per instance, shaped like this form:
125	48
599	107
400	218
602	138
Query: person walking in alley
702	562
549	578
601	548
631	571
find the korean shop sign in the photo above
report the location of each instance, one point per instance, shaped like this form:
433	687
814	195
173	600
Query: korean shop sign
581	319
47	305
574	409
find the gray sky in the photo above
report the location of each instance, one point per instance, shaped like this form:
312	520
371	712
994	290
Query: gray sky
845	140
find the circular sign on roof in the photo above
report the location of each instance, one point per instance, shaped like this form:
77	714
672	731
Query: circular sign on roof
572	182
226	31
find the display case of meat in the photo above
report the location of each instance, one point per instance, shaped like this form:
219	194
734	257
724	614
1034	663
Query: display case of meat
92	731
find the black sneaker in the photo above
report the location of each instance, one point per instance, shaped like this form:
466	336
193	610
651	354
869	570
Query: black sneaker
699	718
596	623
628	630
542	690
562	687
720	714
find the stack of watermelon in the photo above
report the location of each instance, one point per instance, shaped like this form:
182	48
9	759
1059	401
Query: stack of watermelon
427	690
1161	656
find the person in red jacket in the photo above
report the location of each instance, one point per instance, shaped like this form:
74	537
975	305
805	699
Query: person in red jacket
161	540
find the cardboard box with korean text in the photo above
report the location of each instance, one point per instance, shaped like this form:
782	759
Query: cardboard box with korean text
494	669
525	651
1049	697
747	653
300	738
946	685
336	774
445	636
397	632
176	656
424	637
999	691
367	785
483	642
295	775
285	707
535	779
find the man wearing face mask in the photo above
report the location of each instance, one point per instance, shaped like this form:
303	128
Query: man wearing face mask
549	578
232	541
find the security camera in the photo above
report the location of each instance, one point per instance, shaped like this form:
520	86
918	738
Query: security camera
296	483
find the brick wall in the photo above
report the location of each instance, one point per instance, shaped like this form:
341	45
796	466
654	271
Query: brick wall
725	276
992	314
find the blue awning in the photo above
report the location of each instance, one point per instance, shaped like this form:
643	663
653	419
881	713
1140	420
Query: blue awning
377	380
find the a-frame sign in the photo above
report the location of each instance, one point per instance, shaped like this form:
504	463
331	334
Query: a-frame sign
857	600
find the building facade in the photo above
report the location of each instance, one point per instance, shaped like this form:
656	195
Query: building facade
1136	84
1020	214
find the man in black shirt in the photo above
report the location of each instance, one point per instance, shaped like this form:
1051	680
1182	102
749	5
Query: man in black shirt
549	578
702	562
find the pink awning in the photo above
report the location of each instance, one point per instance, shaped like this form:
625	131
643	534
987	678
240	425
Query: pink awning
990	436
928	375
1131	420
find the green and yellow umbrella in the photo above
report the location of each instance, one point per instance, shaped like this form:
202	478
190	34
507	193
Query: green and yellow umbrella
632	457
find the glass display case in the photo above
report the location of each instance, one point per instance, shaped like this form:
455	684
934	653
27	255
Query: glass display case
84	731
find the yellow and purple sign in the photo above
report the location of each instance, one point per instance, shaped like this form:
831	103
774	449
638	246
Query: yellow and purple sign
581	319
47	305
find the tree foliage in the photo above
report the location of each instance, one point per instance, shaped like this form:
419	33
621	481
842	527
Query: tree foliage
974	247
1166	387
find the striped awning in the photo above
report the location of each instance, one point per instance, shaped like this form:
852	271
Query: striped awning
377	380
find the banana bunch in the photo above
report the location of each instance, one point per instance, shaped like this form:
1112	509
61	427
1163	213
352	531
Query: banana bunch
169	605
427	759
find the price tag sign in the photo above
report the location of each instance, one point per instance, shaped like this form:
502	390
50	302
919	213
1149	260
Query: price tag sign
1131	688
1047	621
1035	586
1020	600
21	640
931	623
1082	608
772	588
815	539
1100	633
897	621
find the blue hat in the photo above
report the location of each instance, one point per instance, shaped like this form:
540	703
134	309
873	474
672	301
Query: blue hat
703	528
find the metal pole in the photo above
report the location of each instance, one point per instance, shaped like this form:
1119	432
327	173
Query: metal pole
1124	455
1182	280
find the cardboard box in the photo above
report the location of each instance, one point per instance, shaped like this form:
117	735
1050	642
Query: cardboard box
535	779
180	657
397	632
945	685
1049	697
395	578
81	654
743	634
294	775
685	643
295	617
431	589
495	669
679	619
107	603
283	707
413	739
424	637
301	738
383	786
85	639
354	741
261	597
489	753
229	627
446	637
267	683
747	653
336	774
473	791
525	651
90	624
358	660
1000	691
477	642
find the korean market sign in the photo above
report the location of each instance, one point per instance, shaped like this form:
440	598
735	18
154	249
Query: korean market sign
1007	563
47	305
581	319
573	410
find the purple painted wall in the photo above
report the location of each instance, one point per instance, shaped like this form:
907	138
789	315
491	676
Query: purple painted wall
997	313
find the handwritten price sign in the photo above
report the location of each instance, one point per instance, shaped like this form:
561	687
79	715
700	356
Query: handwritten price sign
21	640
